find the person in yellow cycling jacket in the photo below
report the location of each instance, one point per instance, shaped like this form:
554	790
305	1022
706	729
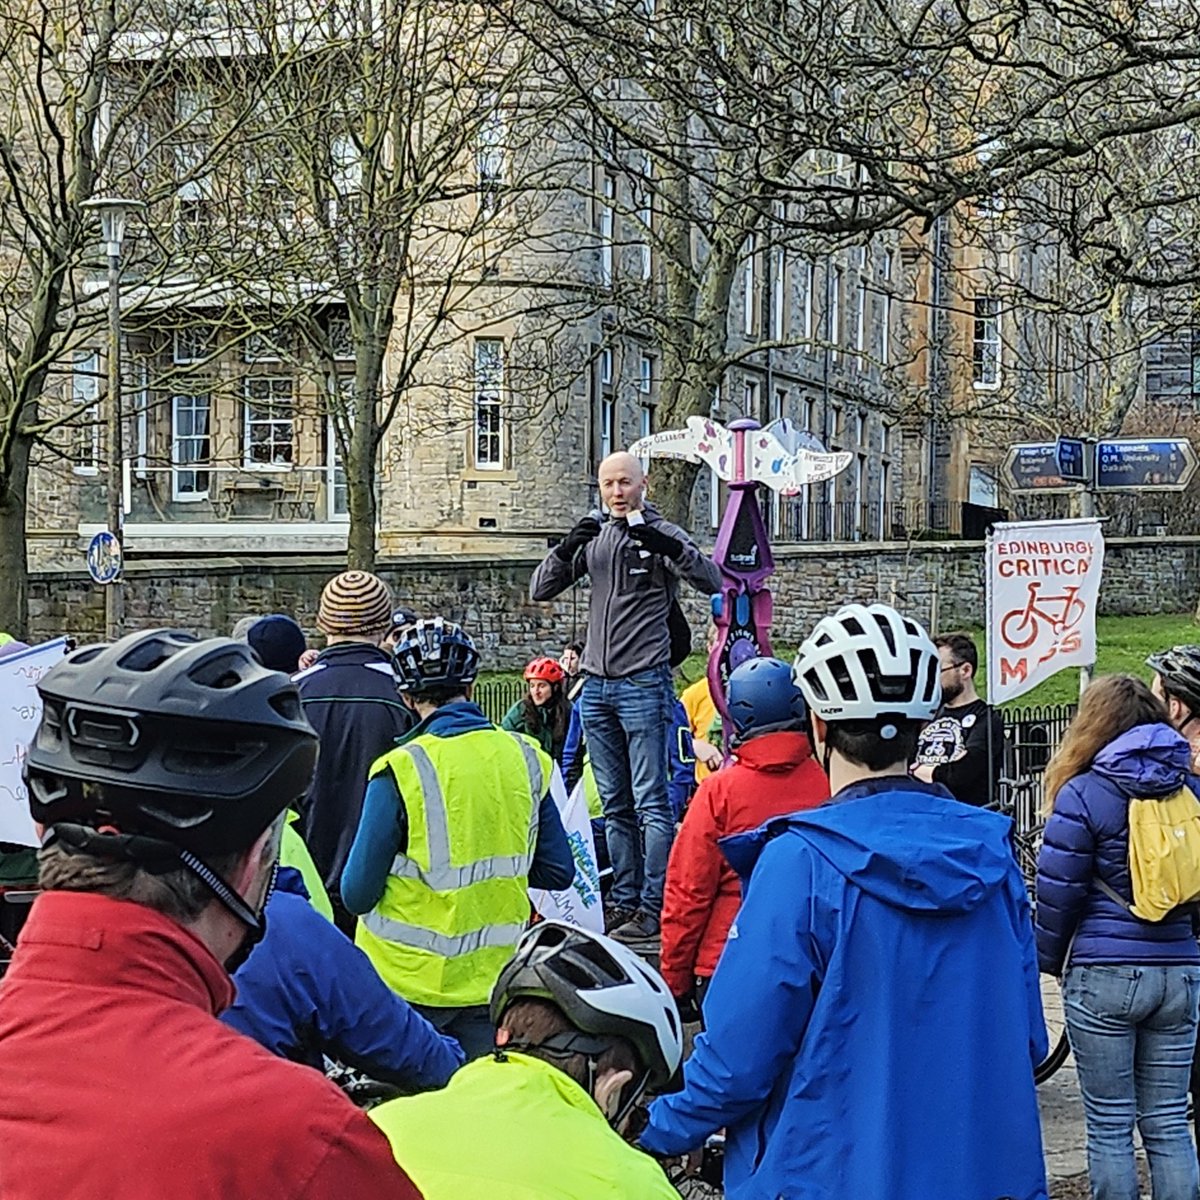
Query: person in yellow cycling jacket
583	1026
457	825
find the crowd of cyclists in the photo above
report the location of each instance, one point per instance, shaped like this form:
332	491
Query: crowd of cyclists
262	869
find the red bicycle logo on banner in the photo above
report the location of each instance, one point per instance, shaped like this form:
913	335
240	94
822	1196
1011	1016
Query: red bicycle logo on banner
1022	626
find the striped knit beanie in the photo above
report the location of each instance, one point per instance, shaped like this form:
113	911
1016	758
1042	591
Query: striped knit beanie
355	604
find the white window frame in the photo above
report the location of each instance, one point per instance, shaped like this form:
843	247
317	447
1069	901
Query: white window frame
810	414
986	347
860	429
85	397
833	320
750	287
489	401
885	471
608	415
779	293
646	374
269	419
885	334
335	470
139	370
810	279
195	467
608	190
860	494
751	394
860	315
646	216
491	167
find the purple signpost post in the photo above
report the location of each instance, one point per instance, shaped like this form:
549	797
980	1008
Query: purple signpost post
742	609
785	458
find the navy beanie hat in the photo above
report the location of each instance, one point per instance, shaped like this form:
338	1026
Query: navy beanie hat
278	641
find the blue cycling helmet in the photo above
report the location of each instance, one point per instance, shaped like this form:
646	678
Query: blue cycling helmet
434	653
763	697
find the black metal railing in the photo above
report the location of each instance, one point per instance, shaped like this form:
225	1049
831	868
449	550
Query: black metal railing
1031	736
497	696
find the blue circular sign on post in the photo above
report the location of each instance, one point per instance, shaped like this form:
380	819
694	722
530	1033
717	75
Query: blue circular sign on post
104	558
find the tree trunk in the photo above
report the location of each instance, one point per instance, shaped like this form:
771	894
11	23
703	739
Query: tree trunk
672	483
361	461
14	563
360	496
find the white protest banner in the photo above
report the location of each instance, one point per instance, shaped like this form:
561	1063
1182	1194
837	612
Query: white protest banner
1043	588
580	903
20	711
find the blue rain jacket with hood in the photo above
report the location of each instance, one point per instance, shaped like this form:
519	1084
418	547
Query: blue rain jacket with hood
873	1022
1087	838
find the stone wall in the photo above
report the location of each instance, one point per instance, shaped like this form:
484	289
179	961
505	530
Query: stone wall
941	583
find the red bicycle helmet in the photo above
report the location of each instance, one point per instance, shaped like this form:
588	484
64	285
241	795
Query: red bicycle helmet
545	669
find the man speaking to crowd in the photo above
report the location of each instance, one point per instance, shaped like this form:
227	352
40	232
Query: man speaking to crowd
635	560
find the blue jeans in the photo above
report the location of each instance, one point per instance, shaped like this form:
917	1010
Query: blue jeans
624	722
1132	1031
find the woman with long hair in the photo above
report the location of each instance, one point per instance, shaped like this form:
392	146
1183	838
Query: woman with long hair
1131	988
545	711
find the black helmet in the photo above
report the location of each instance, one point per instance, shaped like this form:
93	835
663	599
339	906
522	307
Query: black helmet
600	986
194	743
1179	668
434	653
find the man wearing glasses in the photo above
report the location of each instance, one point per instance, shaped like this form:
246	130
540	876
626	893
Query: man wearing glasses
962	748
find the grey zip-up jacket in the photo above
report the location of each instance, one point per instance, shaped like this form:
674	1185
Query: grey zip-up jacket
630	596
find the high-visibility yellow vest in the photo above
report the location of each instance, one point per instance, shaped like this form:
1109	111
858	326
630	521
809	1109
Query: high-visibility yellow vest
512	1130
456	901
294	853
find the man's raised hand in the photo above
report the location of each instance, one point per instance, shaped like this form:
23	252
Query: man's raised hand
579	537
649	537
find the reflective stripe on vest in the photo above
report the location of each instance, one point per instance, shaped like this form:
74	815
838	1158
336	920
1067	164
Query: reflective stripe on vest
441	876
439	943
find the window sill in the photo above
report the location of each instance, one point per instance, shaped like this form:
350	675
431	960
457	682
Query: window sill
86	472
490	475
986	387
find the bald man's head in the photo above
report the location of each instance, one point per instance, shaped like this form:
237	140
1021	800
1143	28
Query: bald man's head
622	483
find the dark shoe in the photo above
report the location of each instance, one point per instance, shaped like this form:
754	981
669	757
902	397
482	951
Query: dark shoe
615	915
642	927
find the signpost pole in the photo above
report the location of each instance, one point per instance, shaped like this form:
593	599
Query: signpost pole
114	593
114	212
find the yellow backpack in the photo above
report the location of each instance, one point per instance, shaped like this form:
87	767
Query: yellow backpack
1164	855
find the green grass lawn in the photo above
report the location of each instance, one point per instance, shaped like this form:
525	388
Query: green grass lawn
1122	644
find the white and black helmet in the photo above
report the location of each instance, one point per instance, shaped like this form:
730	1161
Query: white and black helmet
867	662
601	987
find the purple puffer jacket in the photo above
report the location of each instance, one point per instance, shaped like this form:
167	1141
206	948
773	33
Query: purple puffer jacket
1087	836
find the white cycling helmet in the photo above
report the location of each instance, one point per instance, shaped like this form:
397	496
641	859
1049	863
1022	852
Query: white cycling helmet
868	661
601	987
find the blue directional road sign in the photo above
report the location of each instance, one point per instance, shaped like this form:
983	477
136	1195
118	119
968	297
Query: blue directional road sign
1033	467
104	558
1072	456
1150	464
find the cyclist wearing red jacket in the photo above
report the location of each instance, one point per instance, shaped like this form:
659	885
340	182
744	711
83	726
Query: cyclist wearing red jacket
161	772
774	774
